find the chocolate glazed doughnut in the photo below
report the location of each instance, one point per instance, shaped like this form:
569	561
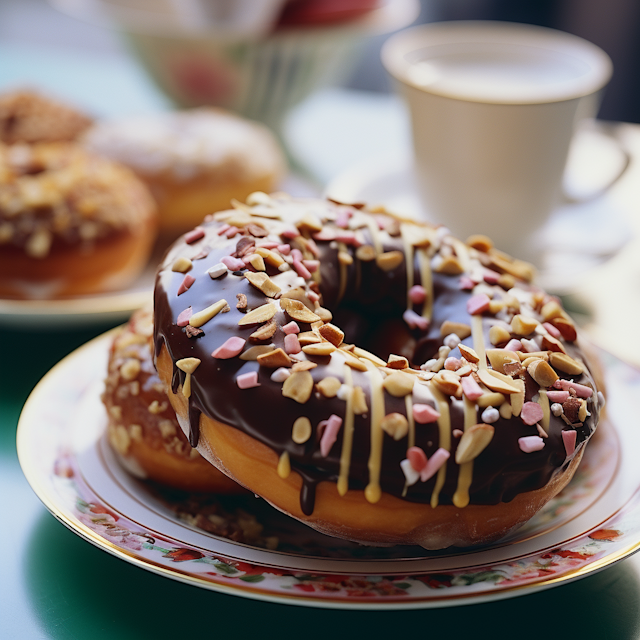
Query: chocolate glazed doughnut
474	411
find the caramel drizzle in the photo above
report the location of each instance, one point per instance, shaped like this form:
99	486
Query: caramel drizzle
465	474
543	401
444	428
405	231
478	340
343	272
463	254
424	258
373	492
411	436
347	436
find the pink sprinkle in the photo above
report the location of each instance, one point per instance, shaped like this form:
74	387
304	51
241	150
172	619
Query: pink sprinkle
248	380
417	294
223	229
424	413
186	283
330	434
457	433
478	304
292	344
326	235
230	349
471	388
312	265
569	440
284	249
292	327
513	345
348	237
303	272
343	218
452	364
417	457
529	444
266	244
551	329
296	254
194	235
414	320
582	391
313	296
290	233
466	283
490	276
434	464
313	247
558	396
531	413
183	317
231	231
233	264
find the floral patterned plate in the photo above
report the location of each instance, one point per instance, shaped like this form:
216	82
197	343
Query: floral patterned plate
242	546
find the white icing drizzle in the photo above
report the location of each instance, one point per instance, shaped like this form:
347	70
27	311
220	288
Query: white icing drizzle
411	436
405	232
347	436
543	401
478	340
465	474
373	492
427	282
444	427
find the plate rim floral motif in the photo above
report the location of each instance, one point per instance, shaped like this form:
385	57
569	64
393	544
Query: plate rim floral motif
58	487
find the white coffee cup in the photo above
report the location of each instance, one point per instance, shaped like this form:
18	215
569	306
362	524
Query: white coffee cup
494	107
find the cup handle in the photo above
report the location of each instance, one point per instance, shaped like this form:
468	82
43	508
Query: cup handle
611	131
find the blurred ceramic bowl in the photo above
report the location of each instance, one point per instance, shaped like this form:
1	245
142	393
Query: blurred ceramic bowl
239	67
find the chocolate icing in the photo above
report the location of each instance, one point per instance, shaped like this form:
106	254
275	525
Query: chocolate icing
373	298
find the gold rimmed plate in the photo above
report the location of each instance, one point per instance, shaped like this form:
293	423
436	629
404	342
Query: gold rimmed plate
593	523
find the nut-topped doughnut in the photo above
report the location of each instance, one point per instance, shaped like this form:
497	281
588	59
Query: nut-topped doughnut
71	223
374	377
142	427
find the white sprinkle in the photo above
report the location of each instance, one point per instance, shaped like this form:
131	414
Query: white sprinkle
217	270
444	351
344	392
452	341
280	375
529	345
422	394
428	364
284	267
556	409
490	415
410	474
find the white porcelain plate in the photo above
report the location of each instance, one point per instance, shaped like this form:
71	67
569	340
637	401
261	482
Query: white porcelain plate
64	455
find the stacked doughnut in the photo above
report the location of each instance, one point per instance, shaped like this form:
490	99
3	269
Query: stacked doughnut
373	377
142	427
